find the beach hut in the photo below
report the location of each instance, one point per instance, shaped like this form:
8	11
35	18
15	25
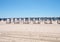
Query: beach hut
58	20
54	20
42	19
21	20
48	20
16	20
36	21
26	20
8	20
32	20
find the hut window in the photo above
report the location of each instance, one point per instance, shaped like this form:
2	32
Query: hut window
22	18
4	19
59	18
37	19
26	19
0	19
53	19
31	19
41	18
17	18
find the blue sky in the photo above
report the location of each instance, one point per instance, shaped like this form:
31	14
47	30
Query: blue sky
29	8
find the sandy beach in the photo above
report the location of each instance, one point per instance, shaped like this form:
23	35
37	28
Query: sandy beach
29	33
52	28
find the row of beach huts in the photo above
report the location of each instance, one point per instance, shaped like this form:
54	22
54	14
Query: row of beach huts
31	20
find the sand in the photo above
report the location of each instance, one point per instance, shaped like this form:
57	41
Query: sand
29	32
